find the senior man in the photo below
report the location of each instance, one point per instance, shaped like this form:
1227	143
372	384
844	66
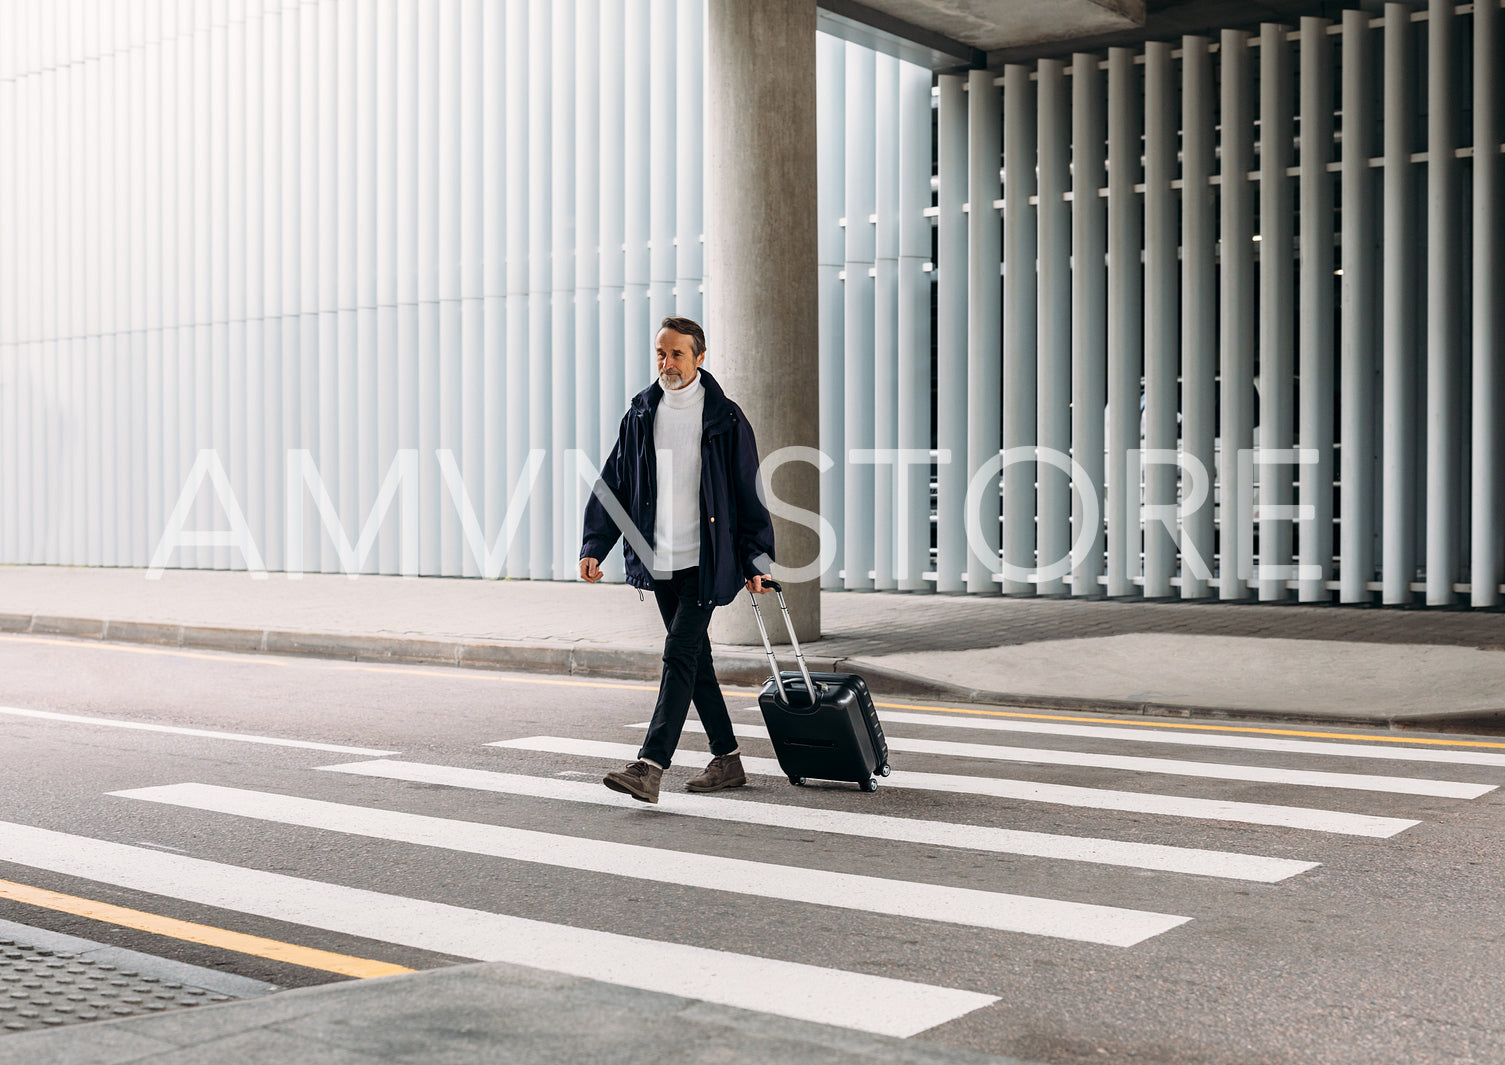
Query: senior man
685	466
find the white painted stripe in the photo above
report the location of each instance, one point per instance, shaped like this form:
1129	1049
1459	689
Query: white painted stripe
1029	791
1197	739
1447	789
1083	922
1161	858
237	737
789	989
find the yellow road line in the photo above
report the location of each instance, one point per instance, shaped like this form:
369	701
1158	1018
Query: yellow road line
113	645
198	933
498	677
274	659
1200	728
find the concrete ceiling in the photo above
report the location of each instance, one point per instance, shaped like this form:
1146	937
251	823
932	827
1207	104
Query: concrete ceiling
952	34
1169	19
993	24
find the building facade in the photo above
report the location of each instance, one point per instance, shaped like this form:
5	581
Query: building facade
365	287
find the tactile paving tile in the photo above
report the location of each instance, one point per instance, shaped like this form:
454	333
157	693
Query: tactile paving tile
46	989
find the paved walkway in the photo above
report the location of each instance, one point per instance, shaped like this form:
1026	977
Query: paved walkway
1416	667
485	1013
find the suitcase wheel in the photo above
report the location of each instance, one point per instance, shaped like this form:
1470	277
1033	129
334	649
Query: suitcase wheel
798	782
869	784
885	771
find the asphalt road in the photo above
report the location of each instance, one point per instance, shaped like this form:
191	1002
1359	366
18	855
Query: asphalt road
1387	949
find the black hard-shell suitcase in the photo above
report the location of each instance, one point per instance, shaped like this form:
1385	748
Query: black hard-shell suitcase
834	736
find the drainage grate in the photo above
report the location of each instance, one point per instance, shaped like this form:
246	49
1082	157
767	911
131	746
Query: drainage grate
49	988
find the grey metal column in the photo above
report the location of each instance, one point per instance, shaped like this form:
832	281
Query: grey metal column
296	393
1089	309
663	169
589	244
1443	309
517	274
1162	325
638	328
438	285
451	191
1400	339
1277	340
613	256
689	205
540	280
1486	571
1125	312
493	502
886	516
1316	303
257	227
951	334
984	354
266	54
1019	328
861	251
831	196
1236	328
227	330
912	483
1199	322
1358	314
10	451
761	255
1053	410
565	543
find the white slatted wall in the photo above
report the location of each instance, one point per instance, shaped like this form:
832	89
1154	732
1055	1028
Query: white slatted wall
1284	239
394	228
356	228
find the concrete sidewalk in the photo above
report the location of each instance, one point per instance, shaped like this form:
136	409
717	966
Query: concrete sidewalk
1371	666
491	1012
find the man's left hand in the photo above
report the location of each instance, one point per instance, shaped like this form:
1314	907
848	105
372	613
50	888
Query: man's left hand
757	585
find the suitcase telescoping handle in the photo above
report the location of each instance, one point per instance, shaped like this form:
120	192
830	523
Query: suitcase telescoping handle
799	655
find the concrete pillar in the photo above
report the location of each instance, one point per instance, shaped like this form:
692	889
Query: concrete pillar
763	319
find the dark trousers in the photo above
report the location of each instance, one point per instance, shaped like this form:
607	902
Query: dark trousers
688	674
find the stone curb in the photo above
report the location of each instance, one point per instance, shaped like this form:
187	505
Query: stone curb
926	688
746	669
489	1011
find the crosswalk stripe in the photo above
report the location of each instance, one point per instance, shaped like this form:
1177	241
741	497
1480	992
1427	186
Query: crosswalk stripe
1196	739
789	989
144	726
1030	791
1447	789
1226	864
1083	922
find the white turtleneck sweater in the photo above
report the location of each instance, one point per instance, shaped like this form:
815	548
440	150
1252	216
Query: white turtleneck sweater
676	438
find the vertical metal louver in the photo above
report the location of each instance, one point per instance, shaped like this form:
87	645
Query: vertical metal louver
1277	325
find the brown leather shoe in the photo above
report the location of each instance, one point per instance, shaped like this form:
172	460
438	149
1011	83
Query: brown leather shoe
725	771
639	779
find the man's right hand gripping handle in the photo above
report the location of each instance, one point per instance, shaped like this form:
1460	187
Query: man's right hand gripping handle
590	570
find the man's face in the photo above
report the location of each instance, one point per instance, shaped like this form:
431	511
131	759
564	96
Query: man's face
674	355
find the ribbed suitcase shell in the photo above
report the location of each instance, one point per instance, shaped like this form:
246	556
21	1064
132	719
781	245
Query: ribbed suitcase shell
836	738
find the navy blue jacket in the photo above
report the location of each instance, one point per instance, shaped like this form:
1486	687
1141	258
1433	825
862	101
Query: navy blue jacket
736	533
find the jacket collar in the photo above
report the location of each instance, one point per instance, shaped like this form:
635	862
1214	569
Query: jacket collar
718	409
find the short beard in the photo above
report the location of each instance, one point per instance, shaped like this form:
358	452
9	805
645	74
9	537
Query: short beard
666	382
